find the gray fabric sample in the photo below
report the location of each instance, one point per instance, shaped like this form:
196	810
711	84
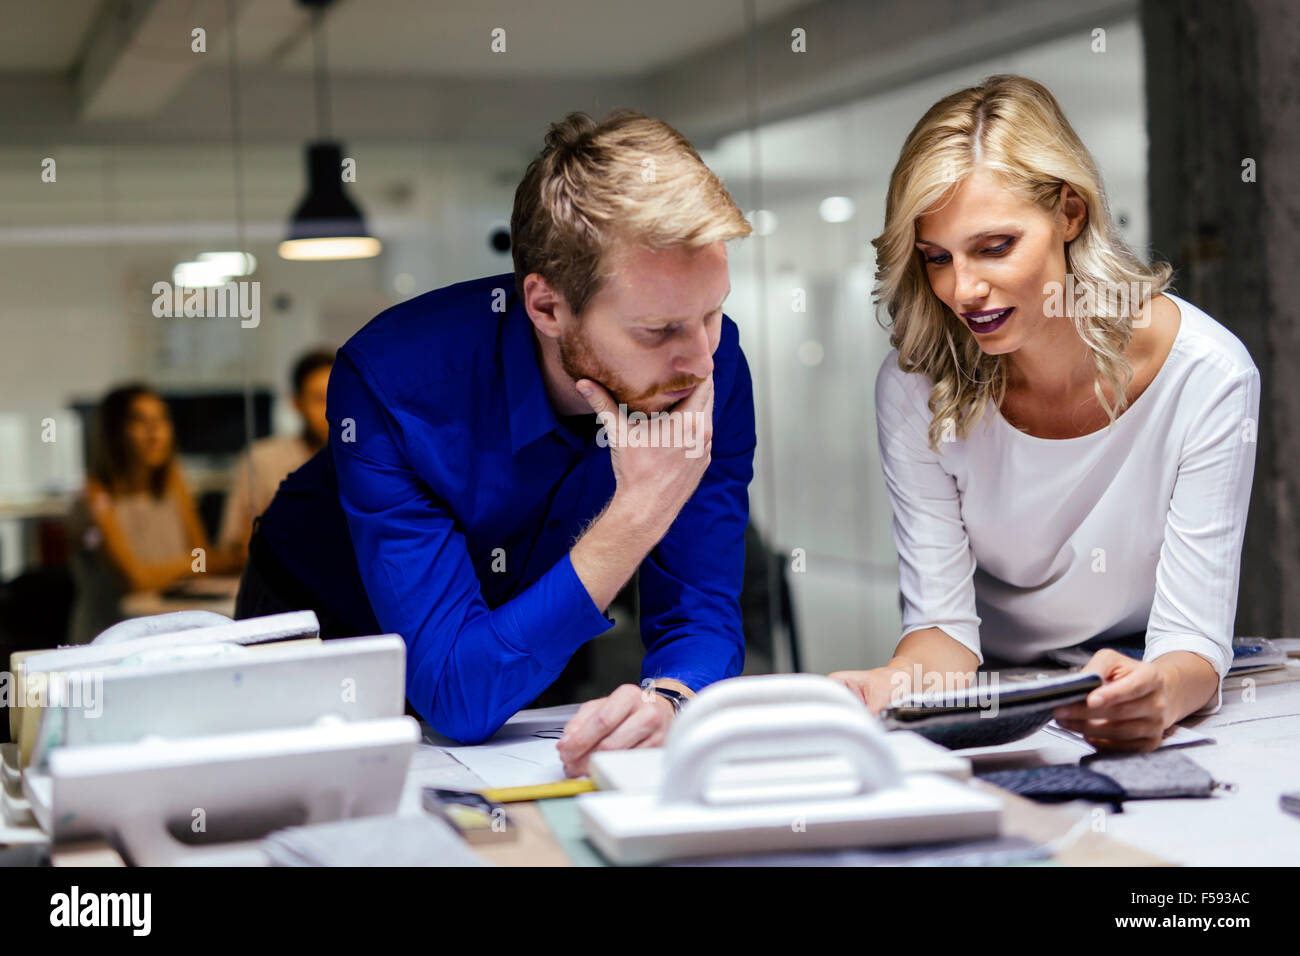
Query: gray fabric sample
1163	773
1057	783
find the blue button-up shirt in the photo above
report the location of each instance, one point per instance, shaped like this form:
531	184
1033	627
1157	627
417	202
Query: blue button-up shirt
462	494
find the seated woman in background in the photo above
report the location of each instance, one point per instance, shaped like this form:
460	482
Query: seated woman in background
135	525
1068	448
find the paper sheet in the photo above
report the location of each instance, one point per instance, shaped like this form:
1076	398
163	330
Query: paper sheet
1059	745
1181	736
523	751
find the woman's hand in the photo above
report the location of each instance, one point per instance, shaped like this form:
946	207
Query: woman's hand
878	687
883	687
1129	712
925	661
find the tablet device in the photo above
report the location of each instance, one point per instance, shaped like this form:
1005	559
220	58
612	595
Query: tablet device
1058	690
988	715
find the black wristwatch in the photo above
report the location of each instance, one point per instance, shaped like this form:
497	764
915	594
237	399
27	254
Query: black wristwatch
676	698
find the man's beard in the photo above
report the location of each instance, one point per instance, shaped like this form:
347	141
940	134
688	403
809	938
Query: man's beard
579	360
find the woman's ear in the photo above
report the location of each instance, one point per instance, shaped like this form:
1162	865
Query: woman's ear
1073	210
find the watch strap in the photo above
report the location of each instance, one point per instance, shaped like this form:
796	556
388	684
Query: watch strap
676	698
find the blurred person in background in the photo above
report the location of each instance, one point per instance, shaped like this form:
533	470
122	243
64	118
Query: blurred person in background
267	462
135	525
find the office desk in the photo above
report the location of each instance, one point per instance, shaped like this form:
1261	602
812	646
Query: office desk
1257	749
537	845
1256	742
1257	739
214	593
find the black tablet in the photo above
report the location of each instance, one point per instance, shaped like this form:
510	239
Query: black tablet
987	695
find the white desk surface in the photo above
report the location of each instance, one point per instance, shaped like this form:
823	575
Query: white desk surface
1256	747
214	593
432	767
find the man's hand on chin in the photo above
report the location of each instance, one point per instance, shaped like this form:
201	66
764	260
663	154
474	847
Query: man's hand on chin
629	717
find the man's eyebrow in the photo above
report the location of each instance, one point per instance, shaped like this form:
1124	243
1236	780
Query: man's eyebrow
986	234
659	318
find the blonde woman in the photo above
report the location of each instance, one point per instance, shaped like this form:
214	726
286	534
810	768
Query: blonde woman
1068	447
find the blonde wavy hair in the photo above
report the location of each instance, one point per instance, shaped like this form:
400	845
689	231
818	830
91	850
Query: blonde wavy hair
1014	128
627	178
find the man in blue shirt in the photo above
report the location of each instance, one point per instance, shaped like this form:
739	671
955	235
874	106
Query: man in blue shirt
466	503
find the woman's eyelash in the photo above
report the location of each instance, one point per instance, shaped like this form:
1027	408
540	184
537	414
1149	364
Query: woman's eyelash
997	250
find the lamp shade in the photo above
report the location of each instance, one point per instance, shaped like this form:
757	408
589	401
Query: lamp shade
327	224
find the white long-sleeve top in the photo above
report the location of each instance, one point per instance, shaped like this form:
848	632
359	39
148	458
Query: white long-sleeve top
1021	545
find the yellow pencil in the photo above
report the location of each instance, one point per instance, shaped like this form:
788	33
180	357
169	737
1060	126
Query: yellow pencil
541	791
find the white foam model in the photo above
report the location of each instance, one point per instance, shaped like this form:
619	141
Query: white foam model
642	770
168	623
182	743
356	678
177	629
154	798
781	762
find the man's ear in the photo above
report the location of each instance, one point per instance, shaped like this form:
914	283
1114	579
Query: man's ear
1075	211
545	306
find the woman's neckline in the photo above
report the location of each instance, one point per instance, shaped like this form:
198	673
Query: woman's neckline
1155	379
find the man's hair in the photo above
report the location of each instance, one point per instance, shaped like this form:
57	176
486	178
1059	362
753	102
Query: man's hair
627	179
308	363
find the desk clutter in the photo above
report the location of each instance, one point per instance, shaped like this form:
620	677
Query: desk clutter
184	739
1249	654
779	763
1111	778
191	739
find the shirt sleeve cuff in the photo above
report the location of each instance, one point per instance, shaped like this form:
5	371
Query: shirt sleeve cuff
556	616
968	636
696	680
1213	652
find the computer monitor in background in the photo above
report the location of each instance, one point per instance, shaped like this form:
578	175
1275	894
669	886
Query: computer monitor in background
208	424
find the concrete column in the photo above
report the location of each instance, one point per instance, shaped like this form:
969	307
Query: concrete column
1223	87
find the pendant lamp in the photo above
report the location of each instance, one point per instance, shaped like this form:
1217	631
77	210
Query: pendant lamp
327	224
